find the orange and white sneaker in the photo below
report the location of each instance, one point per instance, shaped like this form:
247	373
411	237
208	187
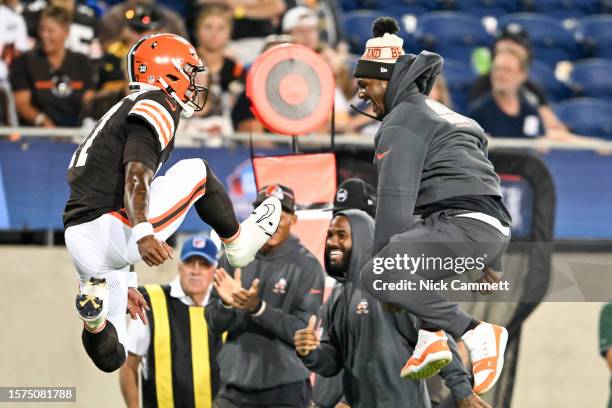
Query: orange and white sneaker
430	355
487	344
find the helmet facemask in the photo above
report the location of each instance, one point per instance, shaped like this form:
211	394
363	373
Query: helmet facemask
197	93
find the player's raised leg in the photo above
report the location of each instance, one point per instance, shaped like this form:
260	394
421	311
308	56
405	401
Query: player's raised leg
442	237
102	298
192	182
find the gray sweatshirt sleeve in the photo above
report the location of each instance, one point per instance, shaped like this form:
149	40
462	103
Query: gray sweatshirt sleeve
400	156
326	360
285	324
221	318
455	375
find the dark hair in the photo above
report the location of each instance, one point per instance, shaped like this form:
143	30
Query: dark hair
58	14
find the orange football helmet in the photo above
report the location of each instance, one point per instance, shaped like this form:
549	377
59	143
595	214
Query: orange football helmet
170	63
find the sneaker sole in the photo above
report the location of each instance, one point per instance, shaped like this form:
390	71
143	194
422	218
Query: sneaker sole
90	307
503	342
427	370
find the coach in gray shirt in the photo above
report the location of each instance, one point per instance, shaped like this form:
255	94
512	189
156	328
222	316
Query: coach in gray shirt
259	367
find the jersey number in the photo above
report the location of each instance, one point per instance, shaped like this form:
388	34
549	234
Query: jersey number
81	152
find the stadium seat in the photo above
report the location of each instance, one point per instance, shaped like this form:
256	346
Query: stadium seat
428	5
595	33
593	78
587	116
459	78
451	34
483	8
544	76
564	9
399	10
357	28
551	41
349	5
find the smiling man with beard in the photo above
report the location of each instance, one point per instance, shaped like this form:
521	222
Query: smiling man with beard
360	337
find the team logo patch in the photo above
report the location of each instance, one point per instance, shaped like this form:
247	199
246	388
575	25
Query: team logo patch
362	307
274	191
199	243
142	68
280	287
154	45
151	79
61	86
341	195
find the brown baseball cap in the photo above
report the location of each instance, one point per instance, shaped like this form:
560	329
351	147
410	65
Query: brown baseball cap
283	193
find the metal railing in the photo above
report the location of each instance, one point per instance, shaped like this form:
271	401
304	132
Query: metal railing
190	139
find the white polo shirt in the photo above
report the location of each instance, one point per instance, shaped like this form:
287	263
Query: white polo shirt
13	36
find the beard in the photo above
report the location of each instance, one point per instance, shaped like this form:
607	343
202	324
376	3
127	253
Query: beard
338	271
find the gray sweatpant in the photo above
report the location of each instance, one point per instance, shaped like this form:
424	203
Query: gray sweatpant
438	237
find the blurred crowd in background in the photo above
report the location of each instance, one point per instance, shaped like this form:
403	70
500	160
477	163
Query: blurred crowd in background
63	61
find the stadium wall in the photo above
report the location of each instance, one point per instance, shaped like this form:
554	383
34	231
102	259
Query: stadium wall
40	342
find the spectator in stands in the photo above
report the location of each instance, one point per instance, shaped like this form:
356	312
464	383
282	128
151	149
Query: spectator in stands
84	30
111	84
505	111
178	306
13	36
514	38
117	17
284	286
302	24
138	21
605	340
327	13
213	31
13	41
51	83
439	92
254	20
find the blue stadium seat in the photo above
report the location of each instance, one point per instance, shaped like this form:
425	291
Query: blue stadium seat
357	28
564	9
596	35
429	5
593	78
349	5
483	8
544	76
587	116
451	34
399	10
551	41
459	78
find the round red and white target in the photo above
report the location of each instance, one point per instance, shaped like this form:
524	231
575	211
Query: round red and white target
291	89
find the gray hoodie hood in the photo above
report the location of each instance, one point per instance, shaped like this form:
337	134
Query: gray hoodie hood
412	74
362	231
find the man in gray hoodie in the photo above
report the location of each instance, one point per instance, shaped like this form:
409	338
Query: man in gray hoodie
432	163
364	339
283	286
